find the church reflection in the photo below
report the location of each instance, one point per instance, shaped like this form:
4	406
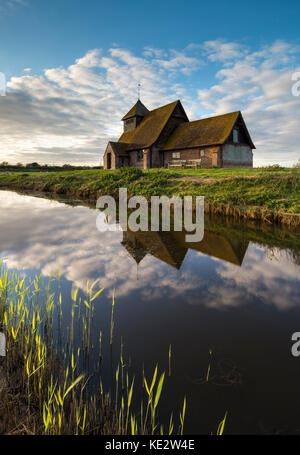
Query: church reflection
171	247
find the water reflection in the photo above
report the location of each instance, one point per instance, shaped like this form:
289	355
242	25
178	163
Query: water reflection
222	293
171	247
225	269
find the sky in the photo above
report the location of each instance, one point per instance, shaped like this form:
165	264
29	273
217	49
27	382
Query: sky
72	69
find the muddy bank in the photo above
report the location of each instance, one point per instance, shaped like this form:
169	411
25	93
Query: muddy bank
258	214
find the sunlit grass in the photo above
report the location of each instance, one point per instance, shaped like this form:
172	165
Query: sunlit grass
272	189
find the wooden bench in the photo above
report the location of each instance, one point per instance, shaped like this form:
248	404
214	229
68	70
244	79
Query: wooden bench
177	163
184	164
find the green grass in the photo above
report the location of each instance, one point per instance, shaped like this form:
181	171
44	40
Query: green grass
273	189
43	383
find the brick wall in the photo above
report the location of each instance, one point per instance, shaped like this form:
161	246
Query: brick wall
151	158
210	159
156	157
134	160
113	157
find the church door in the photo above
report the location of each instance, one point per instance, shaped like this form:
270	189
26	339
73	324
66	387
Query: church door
109	161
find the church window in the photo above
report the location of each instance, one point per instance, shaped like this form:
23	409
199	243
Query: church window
235	135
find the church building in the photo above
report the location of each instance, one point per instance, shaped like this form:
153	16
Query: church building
164	137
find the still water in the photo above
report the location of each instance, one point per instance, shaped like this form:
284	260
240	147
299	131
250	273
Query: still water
236	293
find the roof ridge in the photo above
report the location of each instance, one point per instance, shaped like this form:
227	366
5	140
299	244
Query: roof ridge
137	109
165	105
164	124
163	113
213	130
214	116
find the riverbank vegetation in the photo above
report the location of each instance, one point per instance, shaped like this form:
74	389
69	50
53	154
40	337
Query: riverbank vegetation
264	234
37	167
270	194
44	384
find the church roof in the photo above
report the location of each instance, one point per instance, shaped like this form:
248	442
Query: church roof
204	132
121	148
138	109
222	247
134	249
148	131
171	247
161	245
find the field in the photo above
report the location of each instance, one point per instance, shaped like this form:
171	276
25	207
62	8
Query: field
262	193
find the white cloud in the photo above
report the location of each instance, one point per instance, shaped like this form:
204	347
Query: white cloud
260	84
10	5
68	114
267	275
179	61
220	50
154	52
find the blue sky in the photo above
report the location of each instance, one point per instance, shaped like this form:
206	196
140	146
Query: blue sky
73	66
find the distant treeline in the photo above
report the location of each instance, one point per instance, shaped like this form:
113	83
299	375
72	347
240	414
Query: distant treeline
5	166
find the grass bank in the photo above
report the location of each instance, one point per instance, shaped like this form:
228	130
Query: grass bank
269	194
44	388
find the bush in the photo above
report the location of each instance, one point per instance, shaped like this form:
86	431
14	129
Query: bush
33	165
273	167
129	174
297	165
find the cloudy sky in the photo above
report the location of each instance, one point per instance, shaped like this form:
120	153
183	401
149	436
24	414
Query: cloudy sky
72	70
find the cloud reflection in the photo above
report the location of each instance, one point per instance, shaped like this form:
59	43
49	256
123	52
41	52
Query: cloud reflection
39	233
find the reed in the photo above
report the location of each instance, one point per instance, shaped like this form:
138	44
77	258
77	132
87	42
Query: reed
45	379
46	387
